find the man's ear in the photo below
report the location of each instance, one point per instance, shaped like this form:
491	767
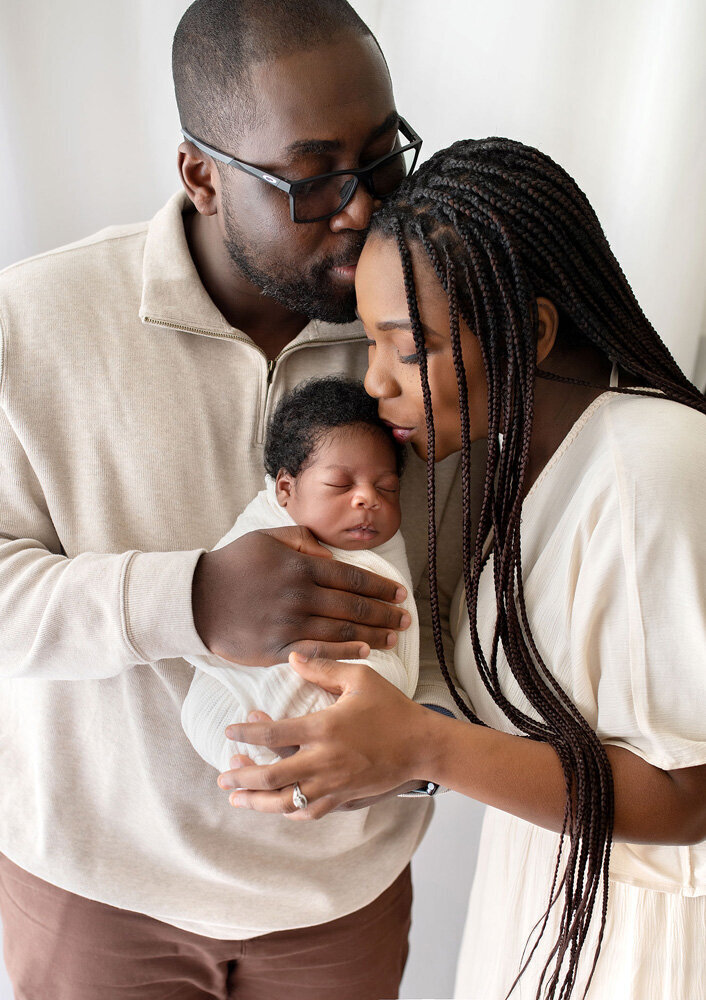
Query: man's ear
200	178
284	487
548	328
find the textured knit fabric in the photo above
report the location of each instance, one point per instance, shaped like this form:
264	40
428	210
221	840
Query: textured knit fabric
131	427
614	571
223	692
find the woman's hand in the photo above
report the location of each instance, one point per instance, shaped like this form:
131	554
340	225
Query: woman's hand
371	741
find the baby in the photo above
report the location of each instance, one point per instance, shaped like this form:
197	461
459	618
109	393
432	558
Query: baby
333	467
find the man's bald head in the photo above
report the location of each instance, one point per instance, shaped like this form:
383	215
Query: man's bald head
217	41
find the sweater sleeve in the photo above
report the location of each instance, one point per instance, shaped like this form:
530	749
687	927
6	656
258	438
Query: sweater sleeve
90	616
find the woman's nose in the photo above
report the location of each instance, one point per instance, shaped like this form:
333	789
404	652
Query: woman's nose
378	381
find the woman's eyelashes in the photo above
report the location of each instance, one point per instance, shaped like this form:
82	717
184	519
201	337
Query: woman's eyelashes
405	359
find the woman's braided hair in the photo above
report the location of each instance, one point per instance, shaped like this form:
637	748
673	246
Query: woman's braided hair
502	224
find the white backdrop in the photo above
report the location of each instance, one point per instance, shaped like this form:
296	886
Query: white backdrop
614	90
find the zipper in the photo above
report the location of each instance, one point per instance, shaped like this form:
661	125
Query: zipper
270	365
196	329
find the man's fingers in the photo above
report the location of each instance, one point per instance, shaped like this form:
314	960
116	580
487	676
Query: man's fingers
342	576
341	606
326	631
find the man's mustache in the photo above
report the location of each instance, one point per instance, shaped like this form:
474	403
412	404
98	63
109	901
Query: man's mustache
343	257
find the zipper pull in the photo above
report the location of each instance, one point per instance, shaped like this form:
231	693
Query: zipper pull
270	370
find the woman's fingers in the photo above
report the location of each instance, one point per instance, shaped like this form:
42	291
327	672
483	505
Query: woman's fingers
275	735
331	675
263	777
282	803
316	649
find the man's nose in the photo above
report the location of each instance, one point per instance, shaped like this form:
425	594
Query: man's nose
357	213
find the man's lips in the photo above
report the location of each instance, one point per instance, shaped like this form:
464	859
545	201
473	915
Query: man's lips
344	272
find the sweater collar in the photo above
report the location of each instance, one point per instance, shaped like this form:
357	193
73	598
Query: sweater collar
174	297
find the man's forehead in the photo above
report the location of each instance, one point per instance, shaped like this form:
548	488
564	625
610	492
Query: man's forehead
319	100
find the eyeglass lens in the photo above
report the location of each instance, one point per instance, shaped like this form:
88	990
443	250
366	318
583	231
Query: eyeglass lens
325	197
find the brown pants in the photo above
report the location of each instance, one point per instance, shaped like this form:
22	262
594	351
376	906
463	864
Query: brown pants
59	946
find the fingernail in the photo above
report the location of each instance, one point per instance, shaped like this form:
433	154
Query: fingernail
405	620
230	732
254	717
391	638
235	800
299	657
225	782
235	763
363	652
401	594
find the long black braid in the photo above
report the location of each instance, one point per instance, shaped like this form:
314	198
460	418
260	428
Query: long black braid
501	225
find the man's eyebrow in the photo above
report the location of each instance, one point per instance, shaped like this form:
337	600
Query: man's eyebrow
313	147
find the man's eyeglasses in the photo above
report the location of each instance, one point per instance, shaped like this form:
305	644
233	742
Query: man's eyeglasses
313	199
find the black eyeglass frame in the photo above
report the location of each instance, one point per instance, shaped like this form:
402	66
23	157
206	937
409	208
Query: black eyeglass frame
291	187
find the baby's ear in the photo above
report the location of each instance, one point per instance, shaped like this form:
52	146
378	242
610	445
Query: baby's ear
284	484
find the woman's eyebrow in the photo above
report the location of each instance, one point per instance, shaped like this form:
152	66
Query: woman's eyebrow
404	324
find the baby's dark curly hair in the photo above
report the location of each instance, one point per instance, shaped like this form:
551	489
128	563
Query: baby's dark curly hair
309	411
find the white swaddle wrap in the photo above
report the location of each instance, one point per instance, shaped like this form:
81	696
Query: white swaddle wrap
222	692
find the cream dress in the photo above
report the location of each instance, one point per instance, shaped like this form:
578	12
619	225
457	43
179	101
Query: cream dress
614	568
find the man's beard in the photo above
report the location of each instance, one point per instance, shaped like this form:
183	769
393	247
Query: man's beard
313	293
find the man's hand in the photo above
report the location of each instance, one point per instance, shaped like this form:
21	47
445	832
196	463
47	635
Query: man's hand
272	592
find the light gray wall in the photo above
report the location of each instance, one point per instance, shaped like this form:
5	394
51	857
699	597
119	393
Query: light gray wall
88	133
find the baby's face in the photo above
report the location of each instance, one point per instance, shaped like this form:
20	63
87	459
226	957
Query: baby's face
349	493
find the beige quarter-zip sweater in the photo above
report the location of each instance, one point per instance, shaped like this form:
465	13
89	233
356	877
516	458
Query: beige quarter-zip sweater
131	428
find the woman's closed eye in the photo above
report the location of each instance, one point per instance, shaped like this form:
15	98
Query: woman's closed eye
406	359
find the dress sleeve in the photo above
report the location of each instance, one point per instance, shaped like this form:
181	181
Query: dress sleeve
639	623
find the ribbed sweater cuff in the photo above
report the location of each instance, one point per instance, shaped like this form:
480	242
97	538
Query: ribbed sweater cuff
437	694
158	615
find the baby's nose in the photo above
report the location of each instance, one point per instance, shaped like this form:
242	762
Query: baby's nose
366	497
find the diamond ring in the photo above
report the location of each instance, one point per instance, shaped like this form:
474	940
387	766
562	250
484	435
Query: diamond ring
298	797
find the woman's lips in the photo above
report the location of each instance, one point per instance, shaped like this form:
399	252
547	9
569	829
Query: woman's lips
401	434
